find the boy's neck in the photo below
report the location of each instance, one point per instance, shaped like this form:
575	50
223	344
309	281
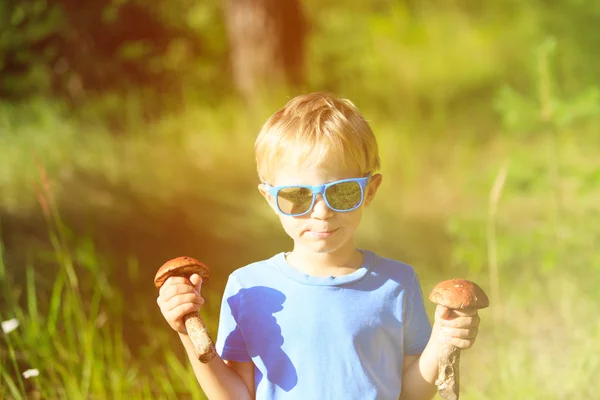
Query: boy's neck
337	263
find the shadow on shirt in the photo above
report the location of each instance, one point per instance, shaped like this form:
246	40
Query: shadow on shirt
262	335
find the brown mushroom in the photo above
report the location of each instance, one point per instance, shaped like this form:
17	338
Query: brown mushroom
455	294
196	329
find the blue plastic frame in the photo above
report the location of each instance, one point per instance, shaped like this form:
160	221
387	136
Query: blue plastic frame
320	189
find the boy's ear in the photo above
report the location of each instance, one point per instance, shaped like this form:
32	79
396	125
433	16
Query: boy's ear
372	187
262	188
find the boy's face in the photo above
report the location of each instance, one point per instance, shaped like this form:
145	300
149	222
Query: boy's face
321	230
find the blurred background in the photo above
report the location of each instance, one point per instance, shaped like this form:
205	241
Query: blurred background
126	139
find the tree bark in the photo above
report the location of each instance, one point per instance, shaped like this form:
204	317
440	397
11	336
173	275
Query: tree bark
267	40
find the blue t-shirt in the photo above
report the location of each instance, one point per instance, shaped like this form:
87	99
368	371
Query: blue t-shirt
313	337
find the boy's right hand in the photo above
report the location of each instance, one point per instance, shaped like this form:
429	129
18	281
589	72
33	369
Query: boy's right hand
179	296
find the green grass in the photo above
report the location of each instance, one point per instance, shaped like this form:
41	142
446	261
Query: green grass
72	333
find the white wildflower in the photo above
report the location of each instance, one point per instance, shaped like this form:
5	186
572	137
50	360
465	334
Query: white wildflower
10	325
30	373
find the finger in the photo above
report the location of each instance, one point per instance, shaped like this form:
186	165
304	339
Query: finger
175	302
196	280
462	344
464	312
177	289
174	292
442	312
450	313
172	281
180	311
461	322
460	333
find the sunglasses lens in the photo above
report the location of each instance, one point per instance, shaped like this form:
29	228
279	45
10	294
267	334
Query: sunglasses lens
344	196
294	201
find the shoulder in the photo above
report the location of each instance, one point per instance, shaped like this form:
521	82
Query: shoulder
392	269
254	273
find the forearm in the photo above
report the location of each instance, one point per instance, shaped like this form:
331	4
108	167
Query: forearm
418	380
218	381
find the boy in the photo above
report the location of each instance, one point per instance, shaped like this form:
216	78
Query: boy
325	320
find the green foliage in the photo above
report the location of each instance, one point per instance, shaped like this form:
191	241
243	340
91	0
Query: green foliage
61	49
546	110
26	48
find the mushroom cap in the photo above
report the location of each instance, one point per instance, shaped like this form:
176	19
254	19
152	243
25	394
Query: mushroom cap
181	266
459	294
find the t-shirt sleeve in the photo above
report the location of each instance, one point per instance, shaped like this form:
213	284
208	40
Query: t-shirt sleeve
230	343
417	328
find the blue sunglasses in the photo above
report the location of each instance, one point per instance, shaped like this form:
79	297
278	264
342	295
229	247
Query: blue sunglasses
341	196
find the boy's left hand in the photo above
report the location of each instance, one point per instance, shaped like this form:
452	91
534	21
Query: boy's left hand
458	327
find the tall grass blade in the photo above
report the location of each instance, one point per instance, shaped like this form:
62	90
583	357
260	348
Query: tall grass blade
13	358
492	240
10	384
55	304
90	351
32	304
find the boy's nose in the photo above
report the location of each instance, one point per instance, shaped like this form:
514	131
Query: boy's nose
321	210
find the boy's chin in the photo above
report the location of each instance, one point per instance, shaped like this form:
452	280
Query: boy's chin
322	246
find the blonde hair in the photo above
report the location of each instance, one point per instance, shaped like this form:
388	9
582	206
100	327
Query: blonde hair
316	128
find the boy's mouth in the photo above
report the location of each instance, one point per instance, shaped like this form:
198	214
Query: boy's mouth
322	234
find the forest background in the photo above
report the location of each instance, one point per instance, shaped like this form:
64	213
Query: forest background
126	139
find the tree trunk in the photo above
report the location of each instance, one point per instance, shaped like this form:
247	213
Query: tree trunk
267	43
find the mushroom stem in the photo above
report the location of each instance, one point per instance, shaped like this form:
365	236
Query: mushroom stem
203	344
448	374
